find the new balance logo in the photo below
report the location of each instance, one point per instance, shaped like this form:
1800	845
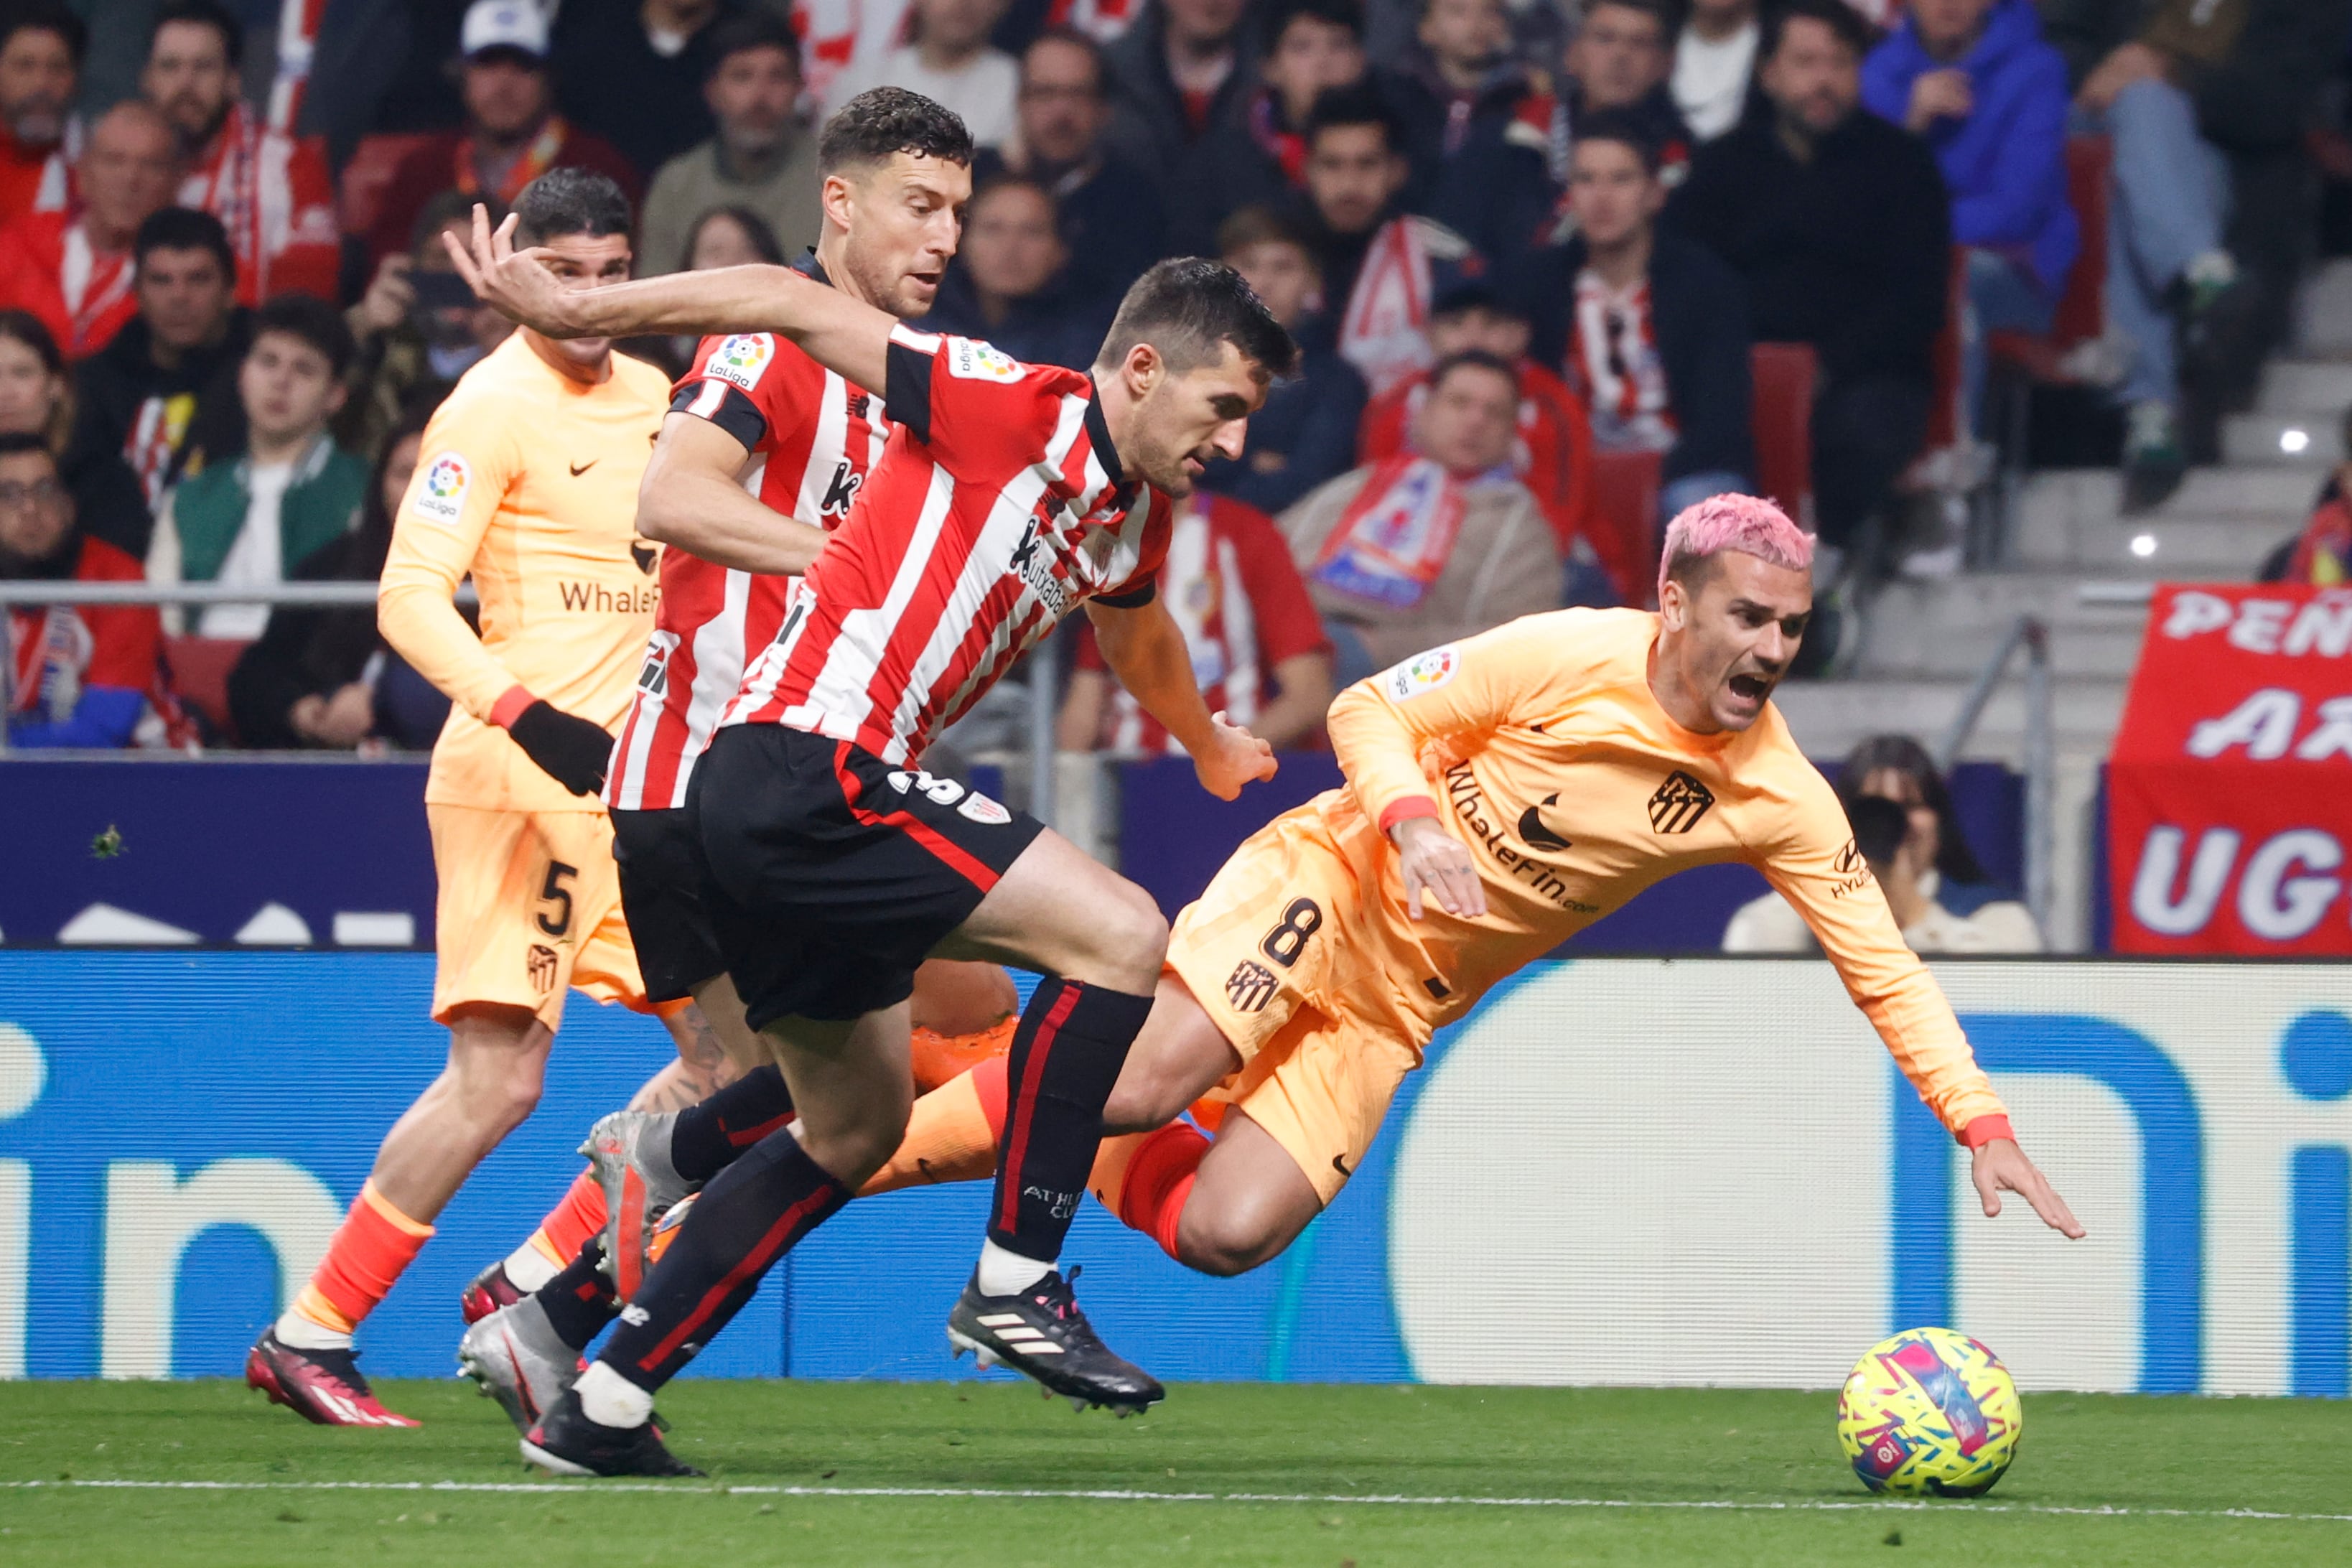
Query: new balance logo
636	1316
1250	986
540	962
1679	803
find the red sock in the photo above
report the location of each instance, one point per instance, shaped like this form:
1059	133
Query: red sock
371	1247
988	1080
1160	1177
569	1224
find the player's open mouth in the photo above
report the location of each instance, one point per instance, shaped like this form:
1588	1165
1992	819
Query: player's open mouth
1749	687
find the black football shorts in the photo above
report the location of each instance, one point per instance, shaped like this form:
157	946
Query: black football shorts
833	874
663	897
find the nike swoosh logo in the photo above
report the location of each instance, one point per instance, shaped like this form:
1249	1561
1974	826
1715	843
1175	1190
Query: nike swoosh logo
1339	1163
580	468
1533	834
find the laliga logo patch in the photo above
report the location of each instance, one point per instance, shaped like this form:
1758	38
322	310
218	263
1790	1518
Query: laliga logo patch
974	361
741	358
441	494
1423	672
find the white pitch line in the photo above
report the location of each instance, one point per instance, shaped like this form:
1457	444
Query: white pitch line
578	1489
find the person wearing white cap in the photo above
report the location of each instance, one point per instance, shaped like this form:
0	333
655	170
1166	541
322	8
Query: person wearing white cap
511	135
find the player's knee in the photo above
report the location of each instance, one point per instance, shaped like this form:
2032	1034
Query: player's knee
1147	1096
1225	1240
1129	937
511	1099
853	1151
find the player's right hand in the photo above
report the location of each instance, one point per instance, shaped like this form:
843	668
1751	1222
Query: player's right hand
1436	862
515	283
569	748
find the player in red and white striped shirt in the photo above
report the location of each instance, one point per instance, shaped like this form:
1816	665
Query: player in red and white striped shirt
1008	495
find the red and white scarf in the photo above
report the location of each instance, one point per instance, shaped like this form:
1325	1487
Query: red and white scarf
1395	537
837	33
1616	355
1384	330
298	34
91	284
1101	20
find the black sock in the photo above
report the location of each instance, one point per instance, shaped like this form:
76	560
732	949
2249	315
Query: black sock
1065	1055
750	1214
709	1137
579	1301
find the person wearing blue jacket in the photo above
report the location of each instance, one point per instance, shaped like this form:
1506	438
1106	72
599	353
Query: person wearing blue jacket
1975	80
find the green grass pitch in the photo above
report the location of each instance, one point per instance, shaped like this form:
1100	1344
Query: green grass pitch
815	1473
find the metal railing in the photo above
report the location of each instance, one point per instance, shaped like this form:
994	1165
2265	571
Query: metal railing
2032	634
278	595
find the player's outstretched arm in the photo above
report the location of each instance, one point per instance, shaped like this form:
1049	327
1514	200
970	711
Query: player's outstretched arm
845	335
2000	1166
1146	651
691	497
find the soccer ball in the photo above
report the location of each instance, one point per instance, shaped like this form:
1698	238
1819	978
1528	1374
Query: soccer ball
1929	1412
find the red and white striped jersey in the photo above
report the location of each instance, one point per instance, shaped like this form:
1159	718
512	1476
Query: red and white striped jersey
812	437
998	506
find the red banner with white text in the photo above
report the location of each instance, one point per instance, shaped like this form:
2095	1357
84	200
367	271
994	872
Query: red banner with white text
2230	788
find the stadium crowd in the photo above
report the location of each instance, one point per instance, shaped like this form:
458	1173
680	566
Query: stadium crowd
1558	270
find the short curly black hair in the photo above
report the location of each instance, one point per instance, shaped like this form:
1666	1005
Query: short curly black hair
569	200
885	119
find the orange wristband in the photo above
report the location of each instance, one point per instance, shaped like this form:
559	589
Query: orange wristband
1984	1130
510	707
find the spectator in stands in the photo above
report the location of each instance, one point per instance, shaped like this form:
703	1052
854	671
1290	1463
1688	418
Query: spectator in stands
73	269
1476	129
1839	223
271	191
729	236
1553	454
2321	554
950	62
1258	646
1617	64
162	392
512	133
1909	833
79	675
633	71
1002	287
1975	79
326	678
1306	433
1652	329
417	328
1184	69
1433	545
761	159
2207	105
41	49
1714	79
1111	221
36	399
1312	47
290	493
1378	263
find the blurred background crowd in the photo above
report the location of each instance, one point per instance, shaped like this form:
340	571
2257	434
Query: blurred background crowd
1558	267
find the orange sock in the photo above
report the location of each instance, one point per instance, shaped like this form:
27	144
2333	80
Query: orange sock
371	1246
951	1135
1161	1168
569	1224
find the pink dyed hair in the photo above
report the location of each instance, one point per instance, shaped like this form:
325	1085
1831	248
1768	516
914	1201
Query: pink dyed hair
1748	524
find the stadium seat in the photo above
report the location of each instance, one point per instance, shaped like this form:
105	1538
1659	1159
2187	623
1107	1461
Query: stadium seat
374	163
199	668
1784	375
1624	511
2083	309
